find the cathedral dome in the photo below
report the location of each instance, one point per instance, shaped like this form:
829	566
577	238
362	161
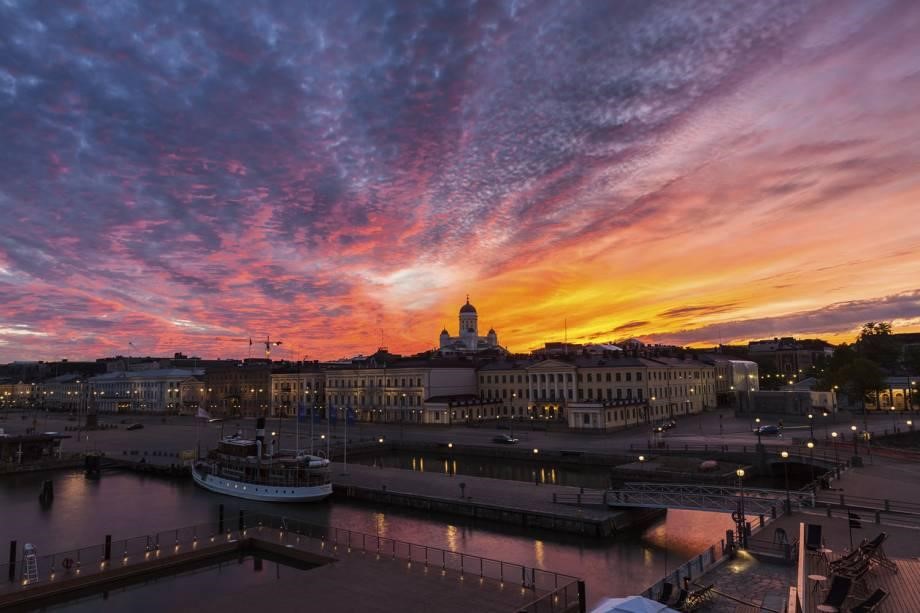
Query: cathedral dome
444	332
467	308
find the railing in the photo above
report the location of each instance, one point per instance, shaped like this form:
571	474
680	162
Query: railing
694	567
552	591
825	453
866	503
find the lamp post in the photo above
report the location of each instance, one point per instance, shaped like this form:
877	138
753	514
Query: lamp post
757	430
910	425
894	425
785	455
855	442
811	426
742	527
834	436
811	458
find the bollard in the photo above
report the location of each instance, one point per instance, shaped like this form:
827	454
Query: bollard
220	518
107	555
12	560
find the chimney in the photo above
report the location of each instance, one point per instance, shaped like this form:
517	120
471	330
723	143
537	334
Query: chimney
260	434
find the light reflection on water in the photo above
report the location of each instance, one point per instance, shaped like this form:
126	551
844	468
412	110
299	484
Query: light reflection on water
126	505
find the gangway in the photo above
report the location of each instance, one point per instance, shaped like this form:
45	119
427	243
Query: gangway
724	499
704	497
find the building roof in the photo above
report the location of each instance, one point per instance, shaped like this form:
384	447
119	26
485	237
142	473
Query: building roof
467	308
159	373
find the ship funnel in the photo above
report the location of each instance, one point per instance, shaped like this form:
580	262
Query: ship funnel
260	434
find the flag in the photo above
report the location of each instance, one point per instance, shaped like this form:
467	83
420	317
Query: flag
203	414
301	412
250	341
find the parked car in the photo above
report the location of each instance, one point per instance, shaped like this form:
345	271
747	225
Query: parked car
505	439
767	430
135	427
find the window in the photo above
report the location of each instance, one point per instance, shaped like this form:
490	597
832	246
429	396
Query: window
585	419
618	377
608	377
638	376
629	376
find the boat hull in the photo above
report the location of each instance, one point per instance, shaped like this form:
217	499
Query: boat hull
264	493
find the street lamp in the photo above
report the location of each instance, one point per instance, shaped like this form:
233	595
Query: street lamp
834	435
811	425
910	424
757	430
855	442
742	527
811	457
785	455
894	426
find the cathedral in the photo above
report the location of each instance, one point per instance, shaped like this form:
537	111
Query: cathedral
468	341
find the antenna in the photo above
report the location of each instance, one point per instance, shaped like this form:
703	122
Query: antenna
565	343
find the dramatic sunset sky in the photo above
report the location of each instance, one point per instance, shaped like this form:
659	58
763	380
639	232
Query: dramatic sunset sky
181	176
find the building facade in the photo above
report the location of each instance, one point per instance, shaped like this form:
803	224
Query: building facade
293	388
598	392
398	392
157	391
238	389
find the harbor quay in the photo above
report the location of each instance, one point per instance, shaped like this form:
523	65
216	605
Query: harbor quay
334	569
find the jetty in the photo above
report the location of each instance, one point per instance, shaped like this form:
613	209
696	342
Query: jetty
343	570
511	502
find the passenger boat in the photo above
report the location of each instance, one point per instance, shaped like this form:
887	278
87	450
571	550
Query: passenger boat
246	469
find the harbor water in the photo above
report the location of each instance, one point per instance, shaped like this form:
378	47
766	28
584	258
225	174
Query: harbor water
126	504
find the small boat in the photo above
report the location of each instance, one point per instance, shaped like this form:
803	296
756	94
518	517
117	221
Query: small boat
246	469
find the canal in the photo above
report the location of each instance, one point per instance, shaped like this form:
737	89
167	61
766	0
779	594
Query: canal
126	504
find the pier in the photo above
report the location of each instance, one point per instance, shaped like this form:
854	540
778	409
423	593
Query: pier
511	502
376	573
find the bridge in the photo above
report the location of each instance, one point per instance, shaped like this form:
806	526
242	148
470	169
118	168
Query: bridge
723	499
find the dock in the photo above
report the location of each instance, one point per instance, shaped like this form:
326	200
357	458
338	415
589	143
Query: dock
343	570
510	502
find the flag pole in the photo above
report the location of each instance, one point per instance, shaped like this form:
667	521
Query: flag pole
297	431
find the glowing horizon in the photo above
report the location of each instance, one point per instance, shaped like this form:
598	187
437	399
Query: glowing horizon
180	178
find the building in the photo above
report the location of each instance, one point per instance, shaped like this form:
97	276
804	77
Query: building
468	339
64	393
900	393
598	391
238	389
736	380
298	385
402	390
155	391
789	356
192	394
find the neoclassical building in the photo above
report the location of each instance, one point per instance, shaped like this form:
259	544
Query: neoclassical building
468	341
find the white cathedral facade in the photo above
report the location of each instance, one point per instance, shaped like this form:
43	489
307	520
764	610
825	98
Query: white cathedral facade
468	341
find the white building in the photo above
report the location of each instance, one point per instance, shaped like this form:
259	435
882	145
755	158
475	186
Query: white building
293	389
144	391
468	339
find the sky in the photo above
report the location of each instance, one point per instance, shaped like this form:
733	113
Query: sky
185	176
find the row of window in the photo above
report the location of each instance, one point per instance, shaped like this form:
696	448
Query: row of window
390	382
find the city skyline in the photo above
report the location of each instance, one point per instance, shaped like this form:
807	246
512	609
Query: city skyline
185	178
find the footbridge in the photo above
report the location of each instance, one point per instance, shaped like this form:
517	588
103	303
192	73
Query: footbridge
716	498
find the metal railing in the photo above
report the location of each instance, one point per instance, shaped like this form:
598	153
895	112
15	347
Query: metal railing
552	591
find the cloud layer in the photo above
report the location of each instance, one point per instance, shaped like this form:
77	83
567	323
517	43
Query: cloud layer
184	176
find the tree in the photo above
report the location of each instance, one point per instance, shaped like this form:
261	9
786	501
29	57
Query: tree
859	378
912	360
876	343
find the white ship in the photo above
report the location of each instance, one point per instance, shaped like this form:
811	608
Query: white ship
245	469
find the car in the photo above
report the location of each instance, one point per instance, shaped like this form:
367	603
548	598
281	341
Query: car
767	430
135	427
505	439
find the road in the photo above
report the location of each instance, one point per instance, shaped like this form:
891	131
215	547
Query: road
178	433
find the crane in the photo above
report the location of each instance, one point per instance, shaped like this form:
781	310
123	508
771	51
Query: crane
267	342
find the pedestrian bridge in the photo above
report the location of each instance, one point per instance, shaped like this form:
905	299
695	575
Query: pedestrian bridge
724	499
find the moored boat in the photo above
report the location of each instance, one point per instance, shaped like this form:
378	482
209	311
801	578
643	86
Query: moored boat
246	469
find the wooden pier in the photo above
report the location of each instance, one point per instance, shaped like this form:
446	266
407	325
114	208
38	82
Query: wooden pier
510	502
